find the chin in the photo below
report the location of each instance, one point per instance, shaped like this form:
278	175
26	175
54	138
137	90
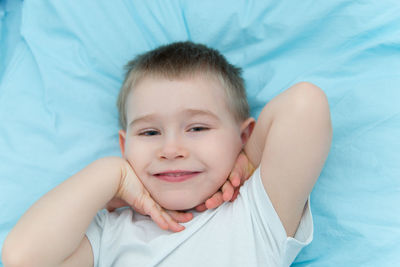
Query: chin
180	203
179	206
183	198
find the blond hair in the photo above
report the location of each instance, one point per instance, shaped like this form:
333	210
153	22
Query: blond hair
184	58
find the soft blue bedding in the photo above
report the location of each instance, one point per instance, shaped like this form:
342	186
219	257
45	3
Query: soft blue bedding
61	68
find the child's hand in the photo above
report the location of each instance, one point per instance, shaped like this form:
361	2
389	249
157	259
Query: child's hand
230	189
131	192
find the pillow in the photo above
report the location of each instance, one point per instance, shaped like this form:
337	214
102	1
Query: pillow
10	17
65	66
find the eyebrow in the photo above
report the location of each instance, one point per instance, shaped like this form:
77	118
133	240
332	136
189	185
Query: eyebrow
186	112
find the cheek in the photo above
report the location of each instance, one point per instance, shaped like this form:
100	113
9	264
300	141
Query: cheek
222	153
137	154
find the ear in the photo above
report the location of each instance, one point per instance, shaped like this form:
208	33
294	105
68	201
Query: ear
246	129
122	135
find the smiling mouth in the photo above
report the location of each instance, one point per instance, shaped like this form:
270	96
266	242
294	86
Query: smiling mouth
176	176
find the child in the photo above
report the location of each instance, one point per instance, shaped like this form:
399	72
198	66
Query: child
185	120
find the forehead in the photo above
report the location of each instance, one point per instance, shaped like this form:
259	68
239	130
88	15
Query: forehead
155	94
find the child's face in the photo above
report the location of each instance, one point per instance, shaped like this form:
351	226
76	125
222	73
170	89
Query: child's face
181	138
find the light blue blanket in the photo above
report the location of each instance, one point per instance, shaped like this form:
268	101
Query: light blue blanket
61	68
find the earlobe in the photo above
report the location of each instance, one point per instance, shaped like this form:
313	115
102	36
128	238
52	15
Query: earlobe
122	135
246	129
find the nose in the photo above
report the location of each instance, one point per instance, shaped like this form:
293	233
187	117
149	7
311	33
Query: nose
172	149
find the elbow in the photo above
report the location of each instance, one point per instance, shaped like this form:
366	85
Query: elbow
13	257
308	95
10	258
311	101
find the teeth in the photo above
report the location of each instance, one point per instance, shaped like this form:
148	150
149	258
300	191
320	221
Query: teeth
174	174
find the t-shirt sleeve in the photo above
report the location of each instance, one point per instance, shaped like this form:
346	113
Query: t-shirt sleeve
267	221
94	234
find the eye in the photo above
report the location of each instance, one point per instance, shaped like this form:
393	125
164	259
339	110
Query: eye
149	133
198	129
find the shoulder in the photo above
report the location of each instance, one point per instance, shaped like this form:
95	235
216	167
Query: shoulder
302	95
296	146
268	225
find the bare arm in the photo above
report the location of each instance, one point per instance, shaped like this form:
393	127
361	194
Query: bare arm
53	228
290	142
52	231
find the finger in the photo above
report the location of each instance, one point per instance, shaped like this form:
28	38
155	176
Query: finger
234	178
110	209
160	217
227	191
159	220
115	203
154	210
237	174
180	217
201	207
235	194
214	201
172	224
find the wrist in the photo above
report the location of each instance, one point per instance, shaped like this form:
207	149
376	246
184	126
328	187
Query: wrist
113	169
124	170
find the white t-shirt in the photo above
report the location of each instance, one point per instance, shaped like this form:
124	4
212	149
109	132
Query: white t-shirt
246	232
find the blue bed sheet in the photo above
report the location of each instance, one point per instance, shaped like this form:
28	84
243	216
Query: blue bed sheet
61	68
